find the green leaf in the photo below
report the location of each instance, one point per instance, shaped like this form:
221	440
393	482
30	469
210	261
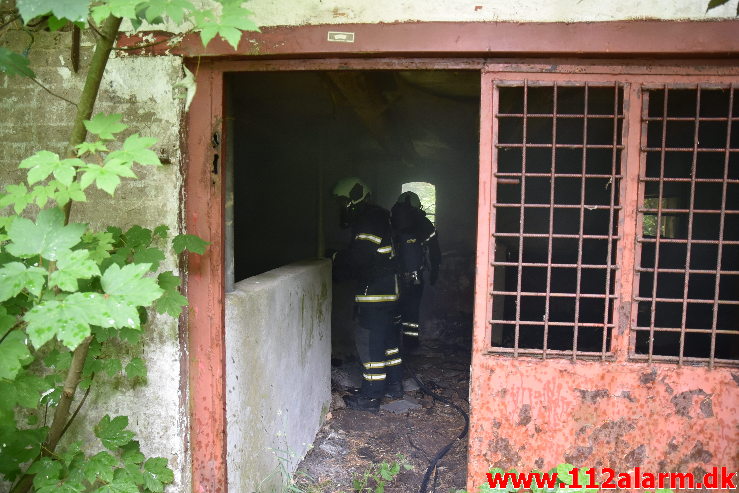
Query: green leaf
15	277
45	468
171	301
12	63
44	163
28	390
55	23
151	256
234	20
174	9
136	149
59	360
100	466
131	453
71	266
91	147
17	196
19	446
118	8
130	284
14	354
118	486
104	126
111	366
72	192
131	336
112	432
716	3
99	245
48	237
107	311
136	368
137	237
191	243
157	474
74	10
67	320
104	178
161	231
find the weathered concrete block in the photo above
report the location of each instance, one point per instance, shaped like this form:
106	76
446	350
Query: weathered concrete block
278	371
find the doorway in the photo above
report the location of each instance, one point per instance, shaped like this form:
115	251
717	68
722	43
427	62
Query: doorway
292	134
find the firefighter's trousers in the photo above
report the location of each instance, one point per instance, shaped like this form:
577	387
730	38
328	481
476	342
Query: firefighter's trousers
378	345
410	305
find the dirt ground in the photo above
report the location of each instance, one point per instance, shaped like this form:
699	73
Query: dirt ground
352	442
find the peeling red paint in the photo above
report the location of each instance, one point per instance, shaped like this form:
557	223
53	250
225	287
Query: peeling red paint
614	413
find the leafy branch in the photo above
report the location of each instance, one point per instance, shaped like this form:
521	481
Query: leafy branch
71	297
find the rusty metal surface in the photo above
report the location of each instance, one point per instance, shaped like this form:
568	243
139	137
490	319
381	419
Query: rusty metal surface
531	409
619	38
598	414
205	285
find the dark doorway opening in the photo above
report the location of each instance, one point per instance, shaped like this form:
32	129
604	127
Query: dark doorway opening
293	134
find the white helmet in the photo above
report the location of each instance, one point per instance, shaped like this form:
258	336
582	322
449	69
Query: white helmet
353	189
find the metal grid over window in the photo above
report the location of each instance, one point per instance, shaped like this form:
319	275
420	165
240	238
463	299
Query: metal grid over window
557	166
687	259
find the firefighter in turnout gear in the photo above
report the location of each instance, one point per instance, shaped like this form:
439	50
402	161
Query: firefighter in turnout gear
417	247
369	259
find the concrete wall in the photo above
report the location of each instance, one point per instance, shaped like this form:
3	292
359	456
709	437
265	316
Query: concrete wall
32	120
273	13
278	389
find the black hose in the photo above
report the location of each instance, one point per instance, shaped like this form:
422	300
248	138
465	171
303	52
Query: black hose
441	453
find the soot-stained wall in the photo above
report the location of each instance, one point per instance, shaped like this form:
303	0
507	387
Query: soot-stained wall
294	134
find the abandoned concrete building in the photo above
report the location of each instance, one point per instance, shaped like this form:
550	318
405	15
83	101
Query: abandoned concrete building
584	166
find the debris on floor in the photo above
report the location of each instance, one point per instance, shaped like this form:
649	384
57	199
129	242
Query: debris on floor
415	428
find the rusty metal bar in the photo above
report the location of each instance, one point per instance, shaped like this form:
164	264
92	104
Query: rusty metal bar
690	271
633	165
658	232
691	300
683	149
684	241
727	154
614	185
566	146
564	175
556	294
517	330
557	206
695	331
582	227
563	115
542	322
689	180
553	163
563	266
558	236
686	273
686	211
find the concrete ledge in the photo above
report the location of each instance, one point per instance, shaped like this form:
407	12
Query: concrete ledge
278	371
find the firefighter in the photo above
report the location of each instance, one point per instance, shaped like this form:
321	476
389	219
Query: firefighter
418	250
369	259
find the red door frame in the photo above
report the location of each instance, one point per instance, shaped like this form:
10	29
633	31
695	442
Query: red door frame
204	160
